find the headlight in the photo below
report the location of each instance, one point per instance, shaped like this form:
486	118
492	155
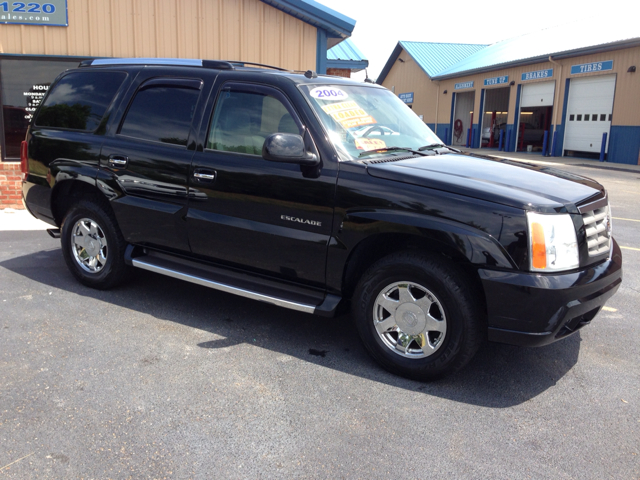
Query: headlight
552	242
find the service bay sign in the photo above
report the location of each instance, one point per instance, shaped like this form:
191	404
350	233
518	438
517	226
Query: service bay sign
460	86
496	80
537	75
53	13
592	67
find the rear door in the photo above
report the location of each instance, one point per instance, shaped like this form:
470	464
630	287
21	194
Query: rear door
245	211
149	156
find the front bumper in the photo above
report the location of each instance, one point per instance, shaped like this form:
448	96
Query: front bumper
531	309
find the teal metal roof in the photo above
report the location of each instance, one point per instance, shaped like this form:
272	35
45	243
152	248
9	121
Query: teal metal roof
431	57
562	41
336	24
346	55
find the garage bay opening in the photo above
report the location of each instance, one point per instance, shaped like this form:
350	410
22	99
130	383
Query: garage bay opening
494	120
463	119
536	110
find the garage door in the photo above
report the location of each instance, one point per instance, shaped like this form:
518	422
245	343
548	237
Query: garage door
538	94
589	112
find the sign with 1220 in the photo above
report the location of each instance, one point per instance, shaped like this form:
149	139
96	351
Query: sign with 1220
54	12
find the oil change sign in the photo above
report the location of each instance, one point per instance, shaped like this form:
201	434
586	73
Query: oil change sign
51	12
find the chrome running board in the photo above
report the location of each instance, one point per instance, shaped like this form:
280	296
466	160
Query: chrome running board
188	271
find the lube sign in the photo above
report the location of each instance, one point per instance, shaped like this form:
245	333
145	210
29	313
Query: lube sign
496	80
592	67
52	12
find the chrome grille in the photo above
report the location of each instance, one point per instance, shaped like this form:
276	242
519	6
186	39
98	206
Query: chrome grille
597	226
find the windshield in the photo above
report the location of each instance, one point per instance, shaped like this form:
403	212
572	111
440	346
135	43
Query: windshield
360	119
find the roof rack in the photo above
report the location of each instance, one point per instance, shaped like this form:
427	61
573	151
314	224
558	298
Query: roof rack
180	62
242	64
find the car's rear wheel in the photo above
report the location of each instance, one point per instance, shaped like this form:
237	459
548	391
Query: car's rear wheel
418	315
93	246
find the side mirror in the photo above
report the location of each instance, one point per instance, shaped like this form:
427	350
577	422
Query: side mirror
288	148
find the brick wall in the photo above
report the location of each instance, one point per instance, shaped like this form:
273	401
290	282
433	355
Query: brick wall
339	72
10	185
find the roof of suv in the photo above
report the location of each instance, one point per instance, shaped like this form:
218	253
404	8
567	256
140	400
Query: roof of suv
241	66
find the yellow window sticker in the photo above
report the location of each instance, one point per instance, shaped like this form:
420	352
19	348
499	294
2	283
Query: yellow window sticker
357	122
367	144
336	107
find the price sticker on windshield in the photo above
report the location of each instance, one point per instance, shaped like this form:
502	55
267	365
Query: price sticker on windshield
331	94
367	144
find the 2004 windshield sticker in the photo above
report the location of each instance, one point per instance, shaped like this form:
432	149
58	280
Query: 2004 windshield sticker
348	114
330	94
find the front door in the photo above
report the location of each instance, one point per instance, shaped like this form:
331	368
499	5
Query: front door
272	218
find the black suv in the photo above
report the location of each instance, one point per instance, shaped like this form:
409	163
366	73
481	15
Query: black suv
315	193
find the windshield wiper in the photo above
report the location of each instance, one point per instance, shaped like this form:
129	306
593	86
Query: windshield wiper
433	146
392	149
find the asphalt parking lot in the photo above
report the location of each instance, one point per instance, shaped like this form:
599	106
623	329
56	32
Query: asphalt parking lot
164	379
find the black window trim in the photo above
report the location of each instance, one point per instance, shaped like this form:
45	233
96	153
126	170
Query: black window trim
190	83
251	87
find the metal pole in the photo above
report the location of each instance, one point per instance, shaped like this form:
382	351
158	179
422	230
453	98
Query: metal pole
544	143
603	146
508	143
500	141
468	137
553	144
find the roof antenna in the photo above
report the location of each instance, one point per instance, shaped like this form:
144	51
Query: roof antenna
367	79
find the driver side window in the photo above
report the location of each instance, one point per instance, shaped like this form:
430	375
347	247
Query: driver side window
243	119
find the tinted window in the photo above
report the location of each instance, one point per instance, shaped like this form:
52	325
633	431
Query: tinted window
243	120
79	100
162	114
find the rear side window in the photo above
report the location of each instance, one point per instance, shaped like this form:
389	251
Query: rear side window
79	100
161	113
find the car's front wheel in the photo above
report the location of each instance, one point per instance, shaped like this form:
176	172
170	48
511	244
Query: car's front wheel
93	246
418	315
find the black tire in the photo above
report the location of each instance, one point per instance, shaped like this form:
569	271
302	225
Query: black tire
437	285
107	243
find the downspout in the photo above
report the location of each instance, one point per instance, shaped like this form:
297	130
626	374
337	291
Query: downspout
555	101
556	106
437	104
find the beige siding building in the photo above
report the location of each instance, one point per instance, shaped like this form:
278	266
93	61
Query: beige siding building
39	43
581	101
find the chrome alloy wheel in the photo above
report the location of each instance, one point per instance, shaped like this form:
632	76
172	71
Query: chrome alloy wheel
409	320
89	245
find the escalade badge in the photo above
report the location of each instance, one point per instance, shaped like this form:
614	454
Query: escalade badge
301	220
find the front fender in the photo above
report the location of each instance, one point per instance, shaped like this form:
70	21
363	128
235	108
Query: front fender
364	229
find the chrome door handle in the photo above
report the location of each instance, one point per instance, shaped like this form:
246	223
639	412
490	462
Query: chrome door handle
118	161
204	175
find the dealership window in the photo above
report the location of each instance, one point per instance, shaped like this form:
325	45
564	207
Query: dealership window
23	84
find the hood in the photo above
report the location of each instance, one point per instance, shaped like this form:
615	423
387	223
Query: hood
516	184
